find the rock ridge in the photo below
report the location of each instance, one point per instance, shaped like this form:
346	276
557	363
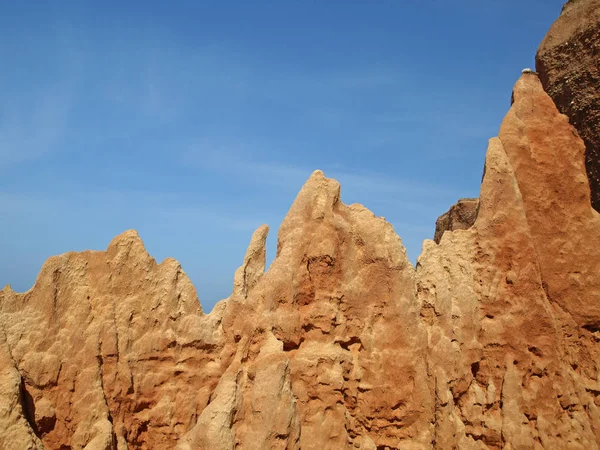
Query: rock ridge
491	342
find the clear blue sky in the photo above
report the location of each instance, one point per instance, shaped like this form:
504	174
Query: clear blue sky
195	122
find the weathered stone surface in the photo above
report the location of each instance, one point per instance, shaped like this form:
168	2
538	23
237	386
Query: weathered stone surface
568	61
460	216
103	350
318	360
253	267
491	342
325	350
513	340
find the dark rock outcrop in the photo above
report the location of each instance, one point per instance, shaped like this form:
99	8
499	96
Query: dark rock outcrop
568	62
460	216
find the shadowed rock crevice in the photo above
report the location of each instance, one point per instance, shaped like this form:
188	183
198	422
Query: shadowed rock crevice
26	401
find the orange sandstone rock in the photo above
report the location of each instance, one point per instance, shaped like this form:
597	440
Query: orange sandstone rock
491	342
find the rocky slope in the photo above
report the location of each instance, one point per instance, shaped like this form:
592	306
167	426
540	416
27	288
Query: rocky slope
568	63
491	342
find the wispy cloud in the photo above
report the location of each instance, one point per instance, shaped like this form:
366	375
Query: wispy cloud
32	130
132	206
164	79
35	120
245	165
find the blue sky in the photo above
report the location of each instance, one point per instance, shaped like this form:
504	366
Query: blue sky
196	122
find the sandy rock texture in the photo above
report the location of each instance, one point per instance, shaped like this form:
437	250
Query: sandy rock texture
568	61
512	303
318	358
325	350
491	342
104	345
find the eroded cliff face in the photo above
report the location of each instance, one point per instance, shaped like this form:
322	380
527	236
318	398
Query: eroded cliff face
85	348
512	303
325	350
491	342
568	61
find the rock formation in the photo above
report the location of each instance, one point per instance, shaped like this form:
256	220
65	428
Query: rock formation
491	342
568	63
512	304
460	216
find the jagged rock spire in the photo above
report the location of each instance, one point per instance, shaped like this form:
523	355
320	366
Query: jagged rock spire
253	268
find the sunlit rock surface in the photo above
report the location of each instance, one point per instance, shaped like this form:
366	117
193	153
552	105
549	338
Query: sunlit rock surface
491	342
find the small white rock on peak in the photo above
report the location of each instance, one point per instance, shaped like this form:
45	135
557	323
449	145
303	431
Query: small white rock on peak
528	70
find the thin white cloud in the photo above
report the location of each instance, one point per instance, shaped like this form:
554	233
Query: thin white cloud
35	120
243	162
138	205
35	129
